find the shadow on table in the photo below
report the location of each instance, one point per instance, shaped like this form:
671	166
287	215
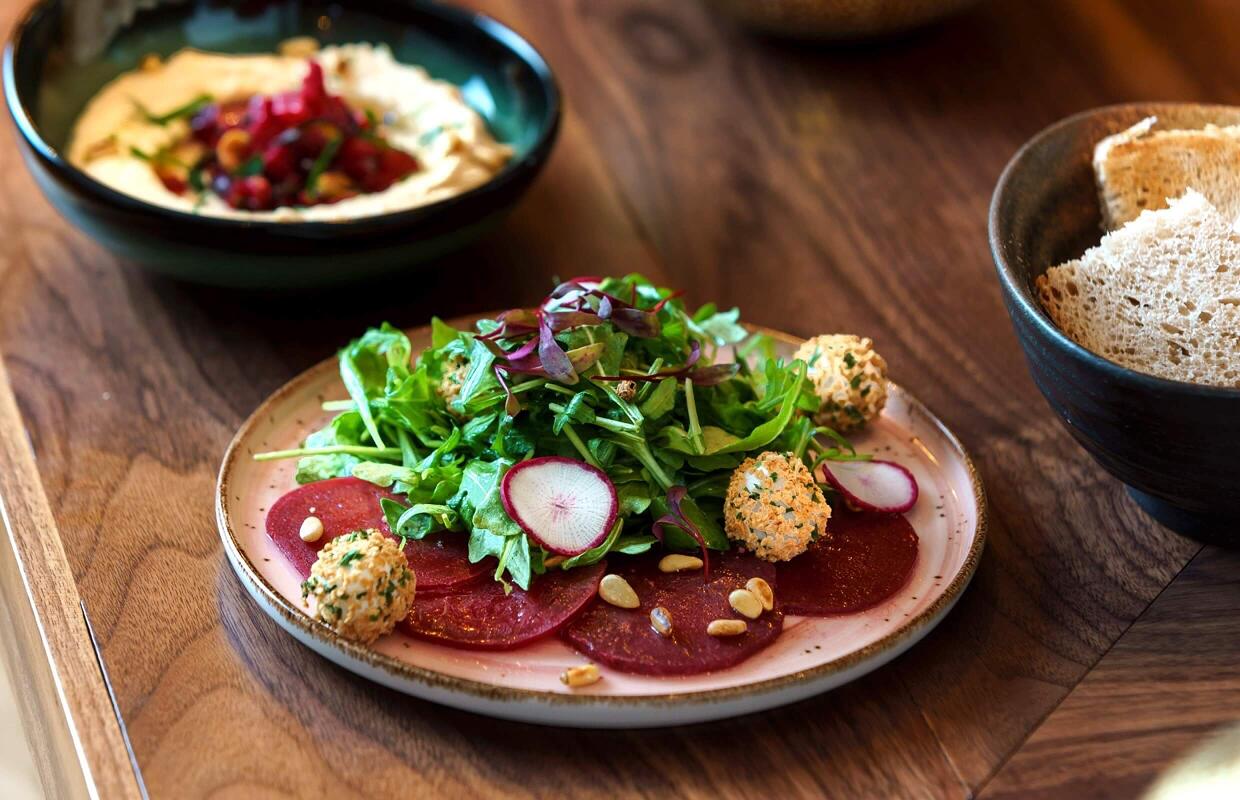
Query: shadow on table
332	705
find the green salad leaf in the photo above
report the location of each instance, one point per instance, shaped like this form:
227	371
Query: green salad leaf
635	383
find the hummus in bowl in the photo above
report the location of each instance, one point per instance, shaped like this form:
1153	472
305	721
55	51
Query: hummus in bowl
305	135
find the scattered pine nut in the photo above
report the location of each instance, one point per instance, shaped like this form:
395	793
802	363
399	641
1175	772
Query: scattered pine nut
676	562
745	603
626	390
551	562
618	592
584	675
333	184
727	627
311	529
661	621
762	590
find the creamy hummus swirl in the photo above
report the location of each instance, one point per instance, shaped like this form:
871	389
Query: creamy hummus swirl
422	116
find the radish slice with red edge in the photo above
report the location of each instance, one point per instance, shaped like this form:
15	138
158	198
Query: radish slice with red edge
881	486
564	505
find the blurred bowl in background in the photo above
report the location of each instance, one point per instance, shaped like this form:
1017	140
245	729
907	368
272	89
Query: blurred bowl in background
837	19
47	82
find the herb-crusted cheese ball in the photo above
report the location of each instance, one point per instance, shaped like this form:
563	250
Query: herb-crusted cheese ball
774	508
849	377
455	368
361	584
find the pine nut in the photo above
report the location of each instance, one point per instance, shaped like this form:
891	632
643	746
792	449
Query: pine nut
626	390
333	184
584	675
151	62
661	621
616	590
727	627
762	590
551	562
676	562
311	529
231	148
745	603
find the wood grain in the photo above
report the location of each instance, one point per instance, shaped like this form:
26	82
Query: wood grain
861	176
66	709
820	189
1168	683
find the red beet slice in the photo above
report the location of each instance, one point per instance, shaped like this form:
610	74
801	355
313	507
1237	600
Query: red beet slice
482	617
867	559
623	639
440	561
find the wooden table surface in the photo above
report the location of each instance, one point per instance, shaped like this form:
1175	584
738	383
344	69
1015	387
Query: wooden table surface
821	189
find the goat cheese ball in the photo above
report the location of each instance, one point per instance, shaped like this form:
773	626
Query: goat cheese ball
774	508
361	585
849	376
455	368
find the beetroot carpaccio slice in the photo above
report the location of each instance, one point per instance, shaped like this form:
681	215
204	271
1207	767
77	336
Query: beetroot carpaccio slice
440	561
482	617
866	560
623	639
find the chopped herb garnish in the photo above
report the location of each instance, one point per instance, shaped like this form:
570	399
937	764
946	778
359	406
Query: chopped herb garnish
320	166
195	177
188	110
252	166
349	557
849	360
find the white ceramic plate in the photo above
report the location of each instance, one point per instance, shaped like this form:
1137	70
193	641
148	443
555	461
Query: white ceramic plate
811	656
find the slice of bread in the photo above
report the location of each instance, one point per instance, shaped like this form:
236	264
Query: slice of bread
1141	168
1161	295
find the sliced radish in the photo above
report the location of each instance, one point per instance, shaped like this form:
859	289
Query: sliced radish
566	506
882	486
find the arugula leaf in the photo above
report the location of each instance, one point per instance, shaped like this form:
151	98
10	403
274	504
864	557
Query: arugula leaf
633	498
478	376
418	520
577	410
386	474
768	431
595	554
634	544
367	367
344	429
661	400
714	440
723	327
677	539
442	334
492	531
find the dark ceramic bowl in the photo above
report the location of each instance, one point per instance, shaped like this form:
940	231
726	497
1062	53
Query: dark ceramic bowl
1174	444
503	78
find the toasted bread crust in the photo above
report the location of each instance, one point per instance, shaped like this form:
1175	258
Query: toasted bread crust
1141	168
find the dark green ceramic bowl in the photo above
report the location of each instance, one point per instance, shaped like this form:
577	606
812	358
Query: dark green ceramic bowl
1172	443
501	74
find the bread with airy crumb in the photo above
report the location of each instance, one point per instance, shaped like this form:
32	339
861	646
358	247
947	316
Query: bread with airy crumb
1141	168
1160	295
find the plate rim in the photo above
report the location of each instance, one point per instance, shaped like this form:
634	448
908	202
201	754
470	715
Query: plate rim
401	670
